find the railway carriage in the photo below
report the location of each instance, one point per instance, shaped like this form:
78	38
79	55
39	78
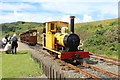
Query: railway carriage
29	37
62	43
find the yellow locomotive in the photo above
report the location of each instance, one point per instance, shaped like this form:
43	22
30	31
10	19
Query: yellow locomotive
60	40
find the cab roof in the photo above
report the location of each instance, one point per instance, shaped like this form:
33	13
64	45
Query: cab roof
57	21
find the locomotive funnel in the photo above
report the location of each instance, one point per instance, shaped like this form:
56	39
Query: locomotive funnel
72	24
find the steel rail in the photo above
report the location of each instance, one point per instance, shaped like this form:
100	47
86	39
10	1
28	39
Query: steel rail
98	69
105	57
105	60
80	70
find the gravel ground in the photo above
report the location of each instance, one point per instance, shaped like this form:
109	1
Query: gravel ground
107	66
21	46
106	59
97	73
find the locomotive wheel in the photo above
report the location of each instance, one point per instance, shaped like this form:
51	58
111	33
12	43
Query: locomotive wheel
78	61
53	54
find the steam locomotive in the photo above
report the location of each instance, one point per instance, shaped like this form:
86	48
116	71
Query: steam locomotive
62	43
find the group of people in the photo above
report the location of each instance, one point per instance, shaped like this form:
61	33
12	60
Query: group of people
10	44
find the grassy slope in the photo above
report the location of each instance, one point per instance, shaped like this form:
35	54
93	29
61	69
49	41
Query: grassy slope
18	27
20	65
99	37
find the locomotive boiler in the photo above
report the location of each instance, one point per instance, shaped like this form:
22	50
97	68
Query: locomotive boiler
60	40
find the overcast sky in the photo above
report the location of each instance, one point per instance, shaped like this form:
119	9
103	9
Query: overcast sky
52	10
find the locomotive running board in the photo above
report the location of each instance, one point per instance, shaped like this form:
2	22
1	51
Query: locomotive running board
52	50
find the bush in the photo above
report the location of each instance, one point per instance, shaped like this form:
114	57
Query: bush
113	23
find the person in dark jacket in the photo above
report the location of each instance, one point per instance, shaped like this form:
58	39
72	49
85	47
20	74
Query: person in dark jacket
14	40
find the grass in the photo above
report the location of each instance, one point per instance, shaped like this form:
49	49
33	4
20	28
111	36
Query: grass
20	65
100	37
103	51
0	66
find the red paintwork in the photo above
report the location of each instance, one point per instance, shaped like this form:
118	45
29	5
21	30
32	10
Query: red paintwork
69	55
29	39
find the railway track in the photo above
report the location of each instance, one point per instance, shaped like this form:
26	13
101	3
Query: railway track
91	71
69	65
106	59
101	70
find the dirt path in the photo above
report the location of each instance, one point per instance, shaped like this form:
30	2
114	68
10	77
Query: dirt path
21	46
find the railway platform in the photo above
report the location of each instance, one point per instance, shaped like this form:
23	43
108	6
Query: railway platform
21	46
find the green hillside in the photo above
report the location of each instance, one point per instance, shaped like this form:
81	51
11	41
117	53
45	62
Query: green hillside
100	37
18	27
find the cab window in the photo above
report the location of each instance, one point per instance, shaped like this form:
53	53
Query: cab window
52	26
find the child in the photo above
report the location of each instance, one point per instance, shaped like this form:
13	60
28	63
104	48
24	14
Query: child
7	48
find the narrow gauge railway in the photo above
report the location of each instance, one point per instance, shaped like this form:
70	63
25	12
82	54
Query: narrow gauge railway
59	39
63	45
103	65
89	70
106	59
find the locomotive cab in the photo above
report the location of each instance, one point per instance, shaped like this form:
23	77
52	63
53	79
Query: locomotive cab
51	30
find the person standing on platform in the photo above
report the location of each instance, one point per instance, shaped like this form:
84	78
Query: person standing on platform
14	40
